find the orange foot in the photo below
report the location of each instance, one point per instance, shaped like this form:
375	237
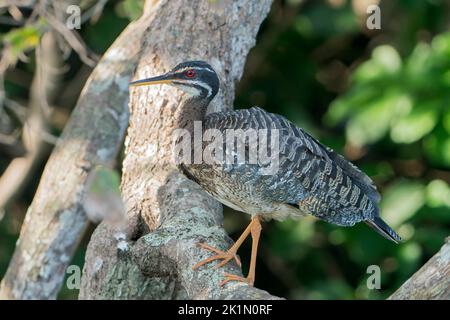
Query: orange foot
226	256
254	228
232	277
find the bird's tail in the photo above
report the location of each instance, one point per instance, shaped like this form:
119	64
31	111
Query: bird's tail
383	229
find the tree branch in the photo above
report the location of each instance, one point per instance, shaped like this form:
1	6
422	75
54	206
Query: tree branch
177	212
431	282
55	221
46	84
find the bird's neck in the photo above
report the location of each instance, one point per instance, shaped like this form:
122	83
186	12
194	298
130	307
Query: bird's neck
192	109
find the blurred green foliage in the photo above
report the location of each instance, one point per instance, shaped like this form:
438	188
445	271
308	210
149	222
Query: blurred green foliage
131	9
380	97
407	99
19	40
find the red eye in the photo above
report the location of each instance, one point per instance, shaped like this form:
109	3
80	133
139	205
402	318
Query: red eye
190	73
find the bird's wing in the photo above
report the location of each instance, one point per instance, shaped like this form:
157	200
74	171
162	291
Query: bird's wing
311	175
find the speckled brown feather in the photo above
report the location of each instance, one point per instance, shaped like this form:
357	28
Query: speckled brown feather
312	178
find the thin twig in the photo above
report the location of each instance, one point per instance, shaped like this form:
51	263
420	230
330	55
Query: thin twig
15	13
93	12
73	39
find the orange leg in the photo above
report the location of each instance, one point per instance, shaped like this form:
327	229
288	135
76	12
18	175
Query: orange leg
226	256
255	229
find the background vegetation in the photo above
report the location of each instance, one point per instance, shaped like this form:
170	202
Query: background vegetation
380	97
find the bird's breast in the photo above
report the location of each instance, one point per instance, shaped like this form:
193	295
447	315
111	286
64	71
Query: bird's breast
238	189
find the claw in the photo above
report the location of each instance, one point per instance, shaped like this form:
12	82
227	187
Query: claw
232	277
226	256
254	228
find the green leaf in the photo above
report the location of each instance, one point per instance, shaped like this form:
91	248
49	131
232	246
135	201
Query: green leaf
401	201
21	39
410	252
438	194
419	122
418	59
446	120
389	96
437	147
372	121
131	9
385	60
344	107
441	44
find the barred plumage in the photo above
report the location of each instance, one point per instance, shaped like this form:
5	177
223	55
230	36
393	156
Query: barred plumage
310	177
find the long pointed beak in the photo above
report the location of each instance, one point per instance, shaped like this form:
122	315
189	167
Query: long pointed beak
165	78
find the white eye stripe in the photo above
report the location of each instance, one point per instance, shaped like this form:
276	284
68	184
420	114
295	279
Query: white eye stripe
206	69
182	70
203	85
193	91
195	83
195	68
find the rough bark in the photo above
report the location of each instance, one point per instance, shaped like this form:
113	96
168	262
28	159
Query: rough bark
55	221
178	214
175	210
431	282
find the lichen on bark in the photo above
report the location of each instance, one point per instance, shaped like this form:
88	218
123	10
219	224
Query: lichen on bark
175	212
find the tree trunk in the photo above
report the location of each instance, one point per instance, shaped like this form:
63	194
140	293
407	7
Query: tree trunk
175	210
168	213
431	282
55	221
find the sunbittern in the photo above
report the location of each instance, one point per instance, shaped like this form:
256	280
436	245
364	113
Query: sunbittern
311	178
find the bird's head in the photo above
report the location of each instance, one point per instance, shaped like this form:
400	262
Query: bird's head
196	78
